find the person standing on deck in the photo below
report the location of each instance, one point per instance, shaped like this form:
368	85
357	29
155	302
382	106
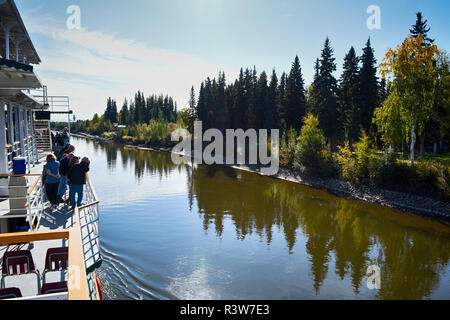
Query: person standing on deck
63	171
65	137
52	180
77	177
68	149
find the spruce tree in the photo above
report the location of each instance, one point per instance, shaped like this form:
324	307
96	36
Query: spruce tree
325	104
281	106
249	99
192	109
124	114
295	96
421	29
107	113
240	106
262	101
221	112
368	88
348	95
313	90
271	115
113	112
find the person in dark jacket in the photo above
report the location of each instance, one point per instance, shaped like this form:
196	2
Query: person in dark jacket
63	171
77	177
68	149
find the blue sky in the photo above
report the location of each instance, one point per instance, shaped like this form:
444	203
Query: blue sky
166	46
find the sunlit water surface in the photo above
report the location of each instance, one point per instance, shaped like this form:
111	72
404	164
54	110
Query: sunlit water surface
212	232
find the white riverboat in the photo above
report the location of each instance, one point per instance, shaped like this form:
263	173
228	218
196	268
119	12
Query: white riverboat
44	254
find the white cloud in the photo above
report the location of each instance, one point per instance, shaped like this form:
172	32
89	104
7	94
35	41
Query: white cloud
90	66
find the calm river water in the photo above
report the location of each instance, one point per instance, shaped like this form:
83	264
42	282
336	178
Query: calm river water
212	232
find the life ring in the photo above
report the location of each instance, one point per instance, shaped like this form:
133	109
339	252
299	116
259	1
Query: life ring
99	288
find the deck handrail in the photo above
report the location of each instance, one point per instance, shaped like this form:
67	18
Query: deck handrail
26	237
19	175
34	185
92	188
89	205
78	289
88	214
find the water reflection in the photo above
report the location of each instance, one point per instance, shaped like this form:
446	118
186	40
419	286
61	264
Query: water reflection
340	238
355	234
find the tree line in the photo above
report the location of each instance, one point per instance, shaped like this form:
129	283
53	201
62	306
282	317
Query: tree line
261	101
344	106
141	110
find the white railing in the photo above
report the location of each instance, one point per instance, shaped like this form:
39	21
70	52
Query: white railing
33	202
89	219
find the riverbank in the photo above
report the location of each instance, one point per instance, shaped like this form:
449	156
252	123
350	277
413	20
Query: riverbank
409	203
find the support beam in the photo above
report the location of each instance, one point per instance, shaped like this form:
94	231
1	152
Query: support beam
3	151
11	132
21	132
4	169
7	29
7	43
17	49
33	146
28	141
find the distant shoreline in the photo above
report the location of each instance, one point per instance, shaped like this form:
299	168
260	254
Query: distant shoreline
407	203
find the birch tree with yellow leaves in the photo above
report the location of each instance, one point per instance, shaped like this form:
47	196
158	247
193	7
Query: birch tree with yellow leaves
412	68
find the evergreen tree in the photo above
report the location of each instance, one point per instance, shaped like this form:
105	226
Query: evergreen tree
139	108
239	118
325	100
221	112
192	110
132	113
111	111
262	101
200	110
368	88
208	104
251	80
313	91
124	114
282	101
107	113
295	96
348	94
421	29
271	115
114	112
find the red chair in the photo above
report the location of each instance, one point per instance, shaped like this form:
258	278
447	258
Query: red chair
18	263
57	259
10	293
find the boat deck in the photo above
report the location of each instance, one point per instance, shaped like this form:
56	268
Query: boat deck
61	218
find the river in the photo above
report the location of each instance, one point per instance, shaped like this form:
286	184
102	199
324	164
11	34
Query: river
212	232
